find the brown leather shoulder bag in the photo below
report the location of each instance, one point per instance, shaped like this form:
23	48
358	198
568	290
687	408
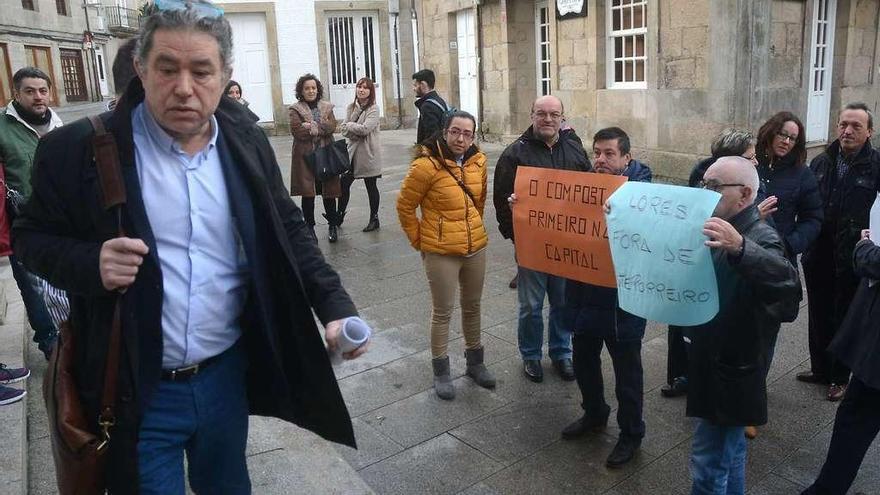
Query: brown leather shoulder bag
80	454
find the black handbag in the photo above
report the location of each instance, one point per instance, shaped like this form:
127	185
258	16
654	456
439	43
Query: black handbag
329	161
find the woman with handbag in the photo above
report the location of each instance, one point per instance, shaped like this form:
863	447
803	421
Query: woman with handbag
361	129
447	181
312	124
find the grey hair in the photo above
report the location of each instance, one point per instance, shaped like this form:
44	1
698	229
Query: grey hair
732	142
189	18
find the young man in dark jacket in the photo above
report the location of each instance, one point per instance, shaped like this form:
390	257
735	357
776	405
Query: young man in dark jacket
542	145
219	276
727	384
432	107
848	173
597	320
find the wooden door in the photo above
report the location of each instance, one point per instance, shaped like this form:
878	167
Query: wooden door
74	76
41	58
5	76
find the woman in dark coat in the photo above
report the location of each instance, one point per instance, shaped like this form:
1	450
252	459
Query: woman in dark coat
857	345
312	124
793	197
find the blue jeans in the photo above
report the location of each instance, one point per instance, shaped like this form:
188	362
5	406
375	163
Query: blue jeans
532	286
205	416
34	305
718	459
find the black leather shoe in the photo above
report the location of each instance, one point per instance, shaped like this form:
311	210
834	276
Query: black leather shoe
372	225
565	368
332	234
584	425
533	370
810	377
678	388
623	452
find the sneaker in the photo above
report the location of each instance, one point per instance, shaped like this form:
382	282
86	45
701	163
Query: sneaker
8	395
12	375
836	392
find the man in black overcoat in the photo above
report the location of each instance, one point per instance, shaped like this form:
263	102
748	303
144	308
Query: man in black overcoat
221	277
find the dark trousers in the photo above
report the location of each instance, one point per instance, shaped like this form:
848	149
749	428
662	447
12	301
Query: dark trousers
626	357
676	354
830	295
372	194
308	209
855	427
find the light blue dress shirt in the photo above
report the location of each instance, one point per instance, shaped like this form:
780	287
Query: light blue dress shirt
204	270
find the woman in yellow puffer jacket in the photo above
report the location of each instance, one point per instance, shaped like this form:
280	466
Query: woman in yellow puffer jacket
447	181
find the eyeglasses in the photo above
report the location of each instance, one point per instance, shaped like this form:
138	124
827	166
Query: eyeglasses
715	186
203	9
543	115
786	137
455	132
752	158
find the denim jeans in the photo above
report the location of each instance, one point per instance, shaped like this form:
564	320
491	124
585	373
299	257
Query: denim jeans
532	287
34	305
206	417
718	459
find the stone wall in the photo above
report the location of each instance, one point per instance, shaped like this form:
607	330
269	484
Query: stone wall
711	65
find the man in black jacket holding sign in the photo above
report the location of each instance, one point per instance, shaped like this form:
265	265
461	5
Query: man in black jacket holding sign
727	355
542	145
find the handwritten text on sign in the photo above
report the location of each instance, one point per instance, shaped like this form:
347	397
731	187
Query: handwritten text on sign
664	269
559	225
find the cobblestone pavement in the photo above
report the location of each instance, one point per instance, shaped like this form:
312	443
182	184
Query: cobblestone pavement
504	441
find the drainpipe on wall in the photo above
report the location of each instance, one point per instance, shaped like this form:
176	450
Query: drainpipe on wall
479	40
397	71
415	36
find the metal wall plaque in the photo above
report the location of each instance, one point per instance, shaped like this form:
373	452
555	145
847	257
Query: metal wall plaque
569	9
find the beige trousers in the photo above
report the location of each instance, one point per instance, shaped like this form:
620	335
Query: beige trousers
446	273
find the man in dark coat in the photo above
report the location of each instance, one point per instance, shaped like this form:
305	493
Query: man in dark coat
597	321
727	389
848	173
218	273
542	145
857	345
432	108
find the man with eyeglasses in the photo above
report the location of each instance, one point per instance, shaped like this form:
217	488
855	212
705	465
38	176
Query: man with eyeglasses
220	276
848	173
598	321
727	384
543	144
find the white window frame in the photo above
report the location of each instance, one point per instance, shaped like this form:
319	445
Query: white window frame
540	43
610	58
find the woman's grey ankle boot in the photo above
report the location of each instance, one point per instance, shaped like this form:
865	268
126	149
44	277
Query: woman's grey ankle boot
477	370
442	381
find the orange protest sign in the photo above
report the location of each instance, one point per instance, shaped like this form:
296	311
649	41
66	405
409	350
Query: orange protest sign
559	225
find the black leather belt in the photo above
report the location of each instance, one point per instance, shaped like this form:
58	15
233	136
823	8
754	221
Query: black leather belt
187	372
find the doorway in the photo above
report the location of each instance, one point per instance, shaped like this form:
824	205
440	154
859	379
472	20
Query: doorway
468	84
821	57
353	51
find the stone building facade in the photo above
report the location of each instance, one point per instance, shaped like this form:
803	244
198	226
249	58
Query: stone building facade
72	41
277	41
672	73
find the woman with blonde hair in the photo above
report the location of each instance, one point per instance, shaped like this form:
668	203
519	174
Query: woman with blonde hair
447	182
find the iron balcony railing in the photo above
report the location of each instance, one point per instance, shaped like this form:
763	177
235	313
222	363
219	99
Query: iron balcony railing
122	19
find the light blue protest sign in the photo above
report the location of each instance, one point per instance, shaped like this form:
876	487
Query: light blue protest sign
664	270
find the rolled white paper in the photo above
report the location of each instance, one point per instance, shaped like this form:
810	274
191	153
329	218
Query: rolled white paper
354	333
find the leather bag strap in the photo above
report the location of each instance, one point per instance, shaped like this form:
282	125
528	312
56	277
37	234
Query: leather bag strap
113	191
